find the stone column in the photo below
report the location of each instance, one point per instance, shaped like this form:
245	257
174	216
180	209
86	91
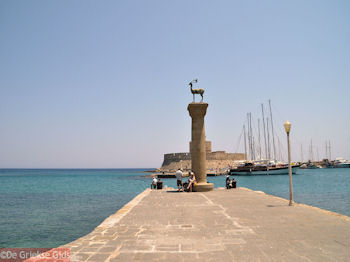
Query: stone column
198	152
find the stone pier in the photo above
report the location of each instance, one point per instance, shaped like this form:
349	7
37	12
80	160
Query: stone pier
218	225
198	148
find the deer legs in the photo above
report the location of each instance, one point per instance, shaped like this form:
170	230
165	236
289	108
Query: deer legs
194	93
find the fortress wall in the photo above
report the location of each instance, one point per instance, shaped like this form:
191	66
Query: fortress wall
222	155
215	160
175	157
212	165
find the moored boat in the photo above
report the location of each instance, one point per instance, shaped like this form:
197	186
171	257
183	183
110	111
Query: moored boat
341	163
308	165
252	168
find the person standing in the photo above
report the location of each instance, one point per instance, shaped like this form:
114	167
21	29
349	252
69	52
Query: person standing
179	180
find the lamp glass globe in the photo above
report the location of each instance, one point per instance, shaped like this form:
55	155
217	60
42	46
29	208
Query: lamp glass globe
287	126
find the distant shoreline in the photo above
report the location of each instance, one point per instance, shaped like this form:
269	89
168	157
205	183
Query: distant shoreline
123	168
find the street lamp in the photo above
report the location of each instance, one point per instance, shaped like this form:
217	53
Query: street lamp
287	126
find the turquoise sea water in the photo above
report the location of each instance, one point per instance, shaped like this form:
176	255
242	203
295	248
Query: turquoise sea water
48	208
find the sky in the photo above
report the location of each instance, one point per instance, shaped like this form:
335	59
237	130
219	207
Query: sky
104	84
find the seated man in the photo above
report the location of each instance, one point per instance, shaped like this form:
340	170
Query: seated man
154	183
228	182
191	181
234	183
159	184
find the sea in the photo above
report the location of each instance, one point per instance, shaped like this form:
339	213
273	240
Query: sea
44	208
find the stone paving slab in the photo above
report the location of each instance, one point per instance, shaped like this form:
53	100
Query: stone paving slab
220	225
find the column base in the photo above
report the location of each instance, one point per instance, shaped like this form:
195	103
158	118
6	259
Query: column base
203	187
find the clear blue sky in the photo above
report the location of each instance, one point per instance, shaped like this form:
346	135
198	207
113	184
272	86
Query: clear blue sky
105	83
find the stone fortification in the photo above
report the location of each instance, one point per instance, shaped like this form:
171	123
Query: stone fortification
175	157
215	160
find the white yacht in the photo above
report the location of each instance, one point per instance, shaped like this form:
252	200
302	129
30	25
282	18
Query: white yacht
341	163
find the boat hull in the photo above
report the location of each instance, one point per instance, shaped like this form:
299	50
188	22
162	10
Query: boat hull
271	171
343	165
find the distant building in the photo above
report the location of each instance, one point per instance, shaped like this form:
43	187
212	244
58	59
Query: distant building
215	160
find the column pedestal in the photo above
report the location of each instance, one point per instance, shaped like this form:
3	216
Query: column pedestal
198	151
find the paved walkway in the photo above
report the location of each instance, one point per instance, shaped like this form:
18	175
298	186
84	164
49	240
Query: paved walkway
221	225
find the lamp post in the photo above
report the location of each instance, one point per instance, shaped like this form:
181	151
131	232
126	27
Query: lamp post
287	126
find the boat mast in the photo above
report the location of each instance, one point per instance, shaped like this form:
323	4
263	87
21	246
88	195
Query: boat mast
263	119
259	138
311	152
301	150
330	152
273	135
268	138
253	147
280	155
251	136
326	151
310	156
245	143
249	142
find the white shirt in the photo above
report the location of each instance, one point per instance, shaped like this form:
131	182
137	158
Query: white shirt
178	175
155	180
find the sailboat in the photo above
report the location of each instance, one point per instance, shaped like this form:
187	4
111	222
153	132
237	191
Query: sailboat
261	166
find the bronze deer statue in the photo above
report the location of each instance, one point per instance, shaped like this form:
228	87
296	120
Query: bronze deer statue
199	91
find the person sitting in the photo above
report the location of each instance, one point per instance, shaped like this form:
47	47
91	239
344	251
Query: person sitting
159	184
191	181
179	180
228	182
234	183
154	183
